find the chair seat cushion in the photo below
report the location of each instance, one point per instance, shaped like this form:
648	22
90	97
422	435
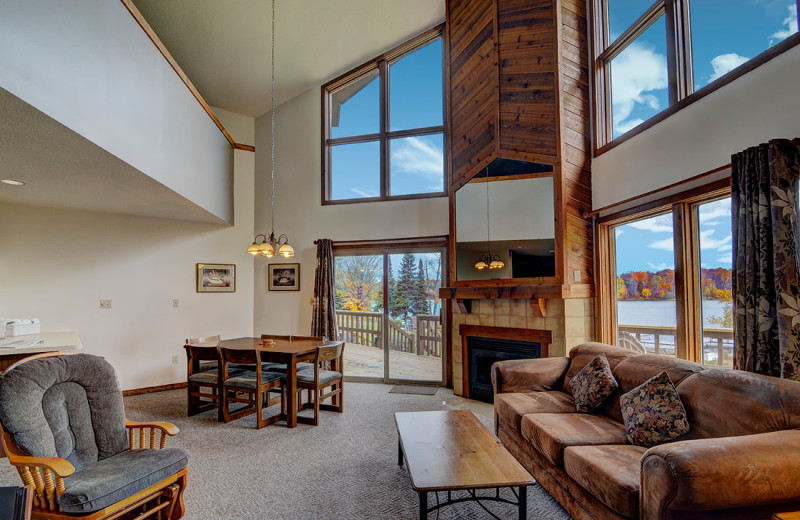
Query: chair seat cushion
325	376
115	478
512	406
273	367
610	473
249	379
210	377
550	433
300	366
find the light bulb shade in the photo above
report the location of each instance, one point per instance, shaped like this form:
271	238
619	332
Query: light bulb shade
496	264
253	249
480	264
286	250
266	249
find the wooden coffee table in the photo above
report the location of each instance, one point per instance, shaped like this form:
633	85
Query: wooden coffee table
451	450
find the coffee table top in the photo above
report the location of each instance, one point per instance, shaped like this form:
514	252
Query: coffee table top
451	449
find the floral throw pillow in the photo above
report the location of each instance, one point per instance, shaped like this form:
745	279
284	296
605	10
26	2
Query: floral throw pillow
593	384
653	412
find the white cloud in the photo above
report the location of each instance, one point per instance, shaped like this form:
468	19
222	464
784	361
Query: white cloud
724	260
726	247
362	193
619	231
635	72
714	210
667	244
659	224
725	63
708	242
415	156
789	26
660	267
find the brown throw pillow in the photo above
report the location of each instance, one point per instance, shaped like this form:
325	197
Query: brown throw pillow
653	412
593	384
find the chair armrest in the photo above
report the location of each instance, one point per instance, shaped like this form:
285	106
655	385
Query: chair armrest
166	427
708	474
60	467
528	375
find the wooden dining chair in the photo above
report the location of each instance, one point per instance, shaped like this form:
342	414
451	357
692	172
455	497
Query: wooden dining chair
202	372
250	387
324	384
278	367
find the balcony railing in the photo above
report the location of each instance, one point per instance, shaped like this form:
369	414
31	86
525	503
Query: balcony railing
421	334
717	343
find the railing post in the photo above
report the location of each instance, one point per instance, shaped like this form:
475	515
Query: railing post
720	352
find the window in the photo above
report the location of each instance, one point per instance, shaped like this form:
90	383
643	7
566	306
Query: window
384	126
651	57
666	287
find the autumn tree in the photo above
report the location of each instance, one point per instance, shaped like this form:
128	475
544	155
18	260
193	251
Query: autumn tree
358	282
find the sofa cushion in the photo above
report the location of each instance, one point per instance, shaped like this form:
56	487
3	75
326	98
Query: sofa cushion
610	473
653	412
550	433
593	384
581	355
115	478
512	406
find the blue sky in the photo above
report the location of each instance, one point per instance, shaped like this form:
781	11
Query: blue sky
647	245
416	164
725	34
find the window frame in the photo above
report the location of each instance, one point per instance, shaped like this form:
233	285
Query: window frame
679	65
384	136
685	222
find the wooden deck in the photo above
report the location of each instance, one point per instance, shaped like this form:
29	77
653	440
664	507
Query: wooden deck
361	361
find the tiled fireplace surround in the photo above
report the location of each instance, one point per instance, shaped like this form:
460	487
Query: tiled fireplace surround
570	320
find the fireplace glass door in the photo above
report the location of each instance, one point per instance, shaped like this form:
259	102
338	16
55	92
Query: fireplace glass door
389	314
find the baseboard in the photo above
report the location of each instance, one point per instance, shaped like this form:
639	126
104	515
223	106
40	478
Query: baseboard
153	389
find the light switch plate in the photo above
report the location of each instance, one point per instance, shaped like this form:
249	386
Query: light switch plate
105	304
576	275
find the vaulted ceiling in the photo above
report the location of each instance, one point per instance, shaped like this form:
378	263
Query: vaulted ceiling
224	47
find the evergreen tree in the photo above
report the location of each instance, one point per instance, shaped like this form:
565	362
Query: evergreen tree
419	298
393	310
405	287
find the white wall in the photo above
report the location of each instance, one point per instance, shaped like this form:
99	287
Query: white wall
88	65
57	264
300	214
757	107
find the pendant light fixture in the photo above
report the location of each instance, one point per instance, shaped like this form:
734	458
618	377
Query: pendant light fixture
272	244
488	261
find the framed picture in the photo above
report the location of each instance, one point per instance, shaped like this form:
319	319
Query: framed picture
284	277
216	277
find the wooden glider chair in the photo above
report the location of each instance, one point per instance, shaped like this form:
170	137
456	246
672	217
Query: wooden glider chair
63	427
318	380
251	387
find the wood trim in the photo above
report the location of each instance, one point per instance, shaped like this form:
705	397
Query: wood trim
648	18
174	64
660	190
153	389
518	292
606	319
774	51
385	199
245	147
543	337
390	243
511	177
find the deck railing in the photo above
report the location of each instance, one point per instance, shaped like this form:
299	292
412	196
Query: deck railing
421	335
717	343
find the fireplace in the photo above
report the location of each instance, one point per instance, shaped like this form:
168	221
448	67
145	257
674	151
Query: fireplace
484	346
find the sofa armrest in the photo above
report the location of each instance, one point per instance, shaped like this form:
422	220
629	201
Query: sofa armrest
528	375
707	474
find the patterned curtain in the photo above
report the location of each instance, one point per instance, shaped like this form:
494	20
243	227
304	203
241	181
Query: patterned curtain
766	289
324	320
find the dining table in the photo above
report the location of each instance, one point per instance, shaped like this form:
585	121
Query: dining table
289	352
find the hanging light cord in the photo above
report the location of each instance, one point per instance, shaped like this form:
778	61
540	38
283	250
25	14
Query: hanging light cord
273	118
488	226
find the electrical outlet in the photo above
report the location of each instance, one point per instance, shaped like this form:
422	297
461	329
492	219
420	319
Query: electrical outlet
105	304
176	303
311	301
174	360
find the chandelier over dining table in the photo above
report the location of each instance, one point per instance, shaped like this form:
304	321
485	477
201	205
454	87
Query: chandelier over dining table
272	244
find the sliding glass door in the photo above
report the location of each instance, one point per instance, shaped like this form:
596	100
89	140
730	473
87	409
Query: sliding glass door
389	314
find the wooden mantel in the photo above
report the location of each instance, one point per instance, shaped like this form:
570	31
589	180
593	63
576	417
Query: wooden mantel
537	294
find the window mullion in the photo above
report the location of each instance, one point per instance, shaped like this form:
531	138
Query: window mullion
679	50
686	282
383	70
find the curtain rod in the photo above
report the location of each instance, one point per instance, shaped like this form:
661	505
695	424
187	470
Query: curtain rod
589	214
387	240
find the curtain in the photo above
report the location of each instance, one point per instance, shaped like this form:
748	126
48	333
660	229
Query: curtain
766	295
324	320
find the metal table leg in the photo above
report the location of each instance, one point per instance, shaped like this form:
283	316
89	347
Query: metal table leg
399	453
523	503
423	505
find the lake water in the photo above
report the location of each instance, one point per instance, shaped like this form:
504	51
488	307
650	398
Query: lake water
662	313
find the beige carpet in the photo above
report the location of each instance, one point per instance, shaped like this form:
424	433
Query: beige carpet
346	468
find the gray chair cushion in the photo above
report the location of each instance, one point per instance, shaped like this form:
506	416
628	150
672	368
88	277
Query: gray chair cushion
274	367
69	407
211	376
325	376
248	379
116	478
300	366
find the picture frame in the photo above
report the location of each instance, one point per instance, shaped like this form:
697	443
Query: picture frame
283	277
215	278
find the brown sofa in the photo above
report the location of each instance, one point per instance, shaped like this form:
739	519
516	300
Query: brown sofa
740	460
